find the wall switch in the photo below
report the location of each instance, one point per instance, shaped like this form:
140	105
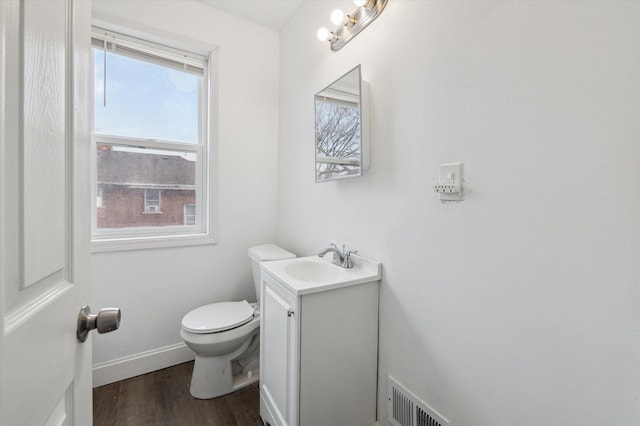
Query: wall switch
450	186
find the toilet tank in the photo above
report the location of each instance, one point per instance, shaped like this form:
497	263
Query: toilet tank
265	253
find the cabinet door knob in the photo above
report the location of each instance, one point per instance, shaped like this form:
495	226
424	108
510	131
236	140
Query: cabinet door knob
289	312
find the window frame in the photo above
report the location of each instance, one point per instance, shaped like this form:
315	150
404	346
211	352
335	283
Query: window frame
118	239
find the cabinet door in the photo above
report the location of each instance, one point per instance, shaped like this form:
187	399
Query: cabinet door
279	348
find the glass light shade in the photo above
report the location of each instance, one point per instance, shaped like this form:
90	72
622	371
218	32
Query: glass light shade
337	17
323	34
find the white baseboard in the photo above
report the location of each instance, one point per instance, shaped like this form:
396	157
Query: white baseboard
140	363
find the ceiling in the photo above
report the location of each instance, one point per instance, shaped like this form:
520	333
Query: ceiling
272	14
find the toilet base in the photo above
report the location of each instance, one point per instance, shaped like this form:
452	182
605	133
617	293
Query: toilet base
214	376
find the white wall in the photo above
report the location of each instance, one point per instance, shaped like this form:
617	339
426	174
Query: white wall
155	288
520	304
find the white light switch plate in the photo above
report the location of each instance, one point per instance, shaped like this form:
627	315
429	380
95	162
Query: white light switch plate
451	174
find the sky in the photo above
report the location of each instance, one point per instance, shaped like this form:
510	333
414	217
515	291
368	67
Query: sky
145	100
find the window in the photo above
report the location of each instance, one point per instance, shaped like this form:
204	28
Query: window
99	197
151	165
189	214
152	201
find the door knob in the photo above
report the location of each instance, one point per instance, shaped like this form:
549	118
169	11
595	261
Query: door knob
107	319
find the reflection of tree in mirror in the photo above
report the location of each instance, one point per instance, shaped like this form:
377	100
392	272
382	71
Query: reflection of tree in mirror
337	139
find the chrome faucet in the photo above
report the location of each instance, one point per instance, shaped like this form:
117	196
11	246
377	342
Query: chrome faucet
340	258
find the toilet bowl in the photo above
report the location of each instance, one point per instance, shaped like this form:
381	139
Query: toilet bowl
225	337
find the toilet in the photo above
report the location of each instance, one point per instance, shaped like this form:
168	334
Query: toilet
226	336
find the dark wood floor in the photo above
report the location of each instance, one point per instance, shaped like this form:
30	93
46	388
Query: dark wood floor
162	398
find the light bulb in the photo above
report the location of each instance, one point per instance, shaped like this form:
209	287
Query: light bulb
359	3
337	17
323	34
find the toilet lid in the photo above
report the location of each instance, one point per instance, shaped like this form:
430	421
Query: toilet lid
216	317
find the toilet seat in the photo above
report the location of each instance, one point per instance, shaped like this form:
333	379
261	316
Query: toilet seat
218	317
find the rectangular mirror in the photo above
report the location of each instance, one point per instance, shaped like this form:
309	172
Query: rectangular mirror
341	130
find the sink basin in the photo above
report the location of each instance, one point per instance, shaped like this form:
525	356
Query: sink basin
315	271
304	275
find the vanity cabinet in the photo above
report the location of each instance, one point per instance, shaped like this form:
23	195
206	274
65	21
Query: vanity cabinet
318	353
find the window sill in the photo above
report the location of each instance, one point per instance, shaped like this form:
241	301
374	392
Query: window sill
146	243
158	212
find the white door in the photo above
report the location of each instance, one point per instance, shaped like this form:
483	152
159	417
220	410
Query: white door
45	123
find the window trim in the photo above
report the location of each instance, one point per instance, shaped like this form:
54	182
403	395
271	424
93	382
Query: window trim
202	233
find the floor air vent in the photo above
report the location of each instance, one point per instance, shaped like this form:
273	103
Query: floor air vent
405	409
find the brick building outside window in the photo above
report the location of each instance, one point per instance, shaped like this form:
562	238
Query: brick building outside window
144	189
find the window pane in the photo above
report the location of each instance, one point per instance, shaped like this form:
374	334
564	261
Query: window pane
144	187
145	100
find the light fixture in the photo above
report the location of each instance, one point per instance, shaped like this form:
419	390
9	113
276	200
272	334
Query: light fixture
337	17
350	25
325	35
